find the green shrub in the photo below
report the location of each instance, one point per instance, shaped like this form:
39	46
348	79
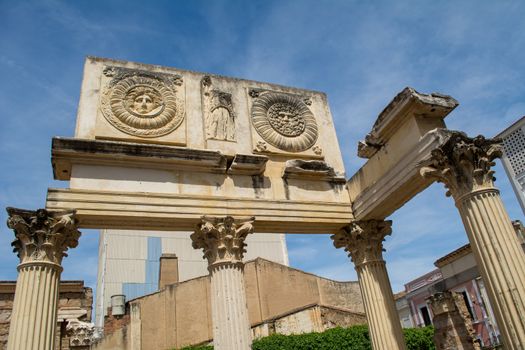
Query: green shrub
419	338
199	347
352	338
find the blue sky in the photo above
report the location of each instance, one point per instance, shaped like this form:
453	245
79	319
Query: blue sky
360	53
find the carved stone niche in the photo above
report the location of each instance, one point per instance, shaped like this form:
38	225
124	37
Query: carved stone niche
141	105
219	114
284	123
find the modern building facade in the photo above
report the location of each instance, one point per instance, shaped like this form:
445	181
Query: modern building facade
513	158
456	272
129	261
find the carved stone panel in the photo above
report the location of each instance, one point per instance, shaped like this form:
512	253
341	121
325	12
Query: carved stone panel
285	122
142	104
219	113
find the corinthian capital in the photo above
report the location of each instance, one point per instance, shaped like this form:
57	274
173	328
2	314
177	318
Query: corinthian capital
222	239
41	235
363	240
462	163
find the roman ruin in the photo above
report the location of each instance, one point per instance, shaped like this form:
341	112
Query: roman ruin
159	148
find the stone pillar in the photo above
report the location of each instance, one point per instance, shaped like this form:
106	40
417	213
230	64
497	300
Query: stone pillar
168	270
222	240
363	240
452	322
42	239
464	164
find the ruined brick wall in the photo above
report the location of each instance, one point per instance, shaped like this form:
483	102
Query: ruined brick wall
113	323
452	323
6	305
73	294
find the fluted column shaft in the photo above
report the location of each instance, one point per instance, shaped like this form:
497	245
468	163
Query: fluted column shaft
222	240
41	241
363	241
231	326
500	260
34	308
464	164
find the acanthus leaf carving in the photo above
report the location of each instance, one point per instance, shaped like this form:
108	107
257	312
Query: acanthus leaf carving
41	235
81	334
363	240
463	164
222	239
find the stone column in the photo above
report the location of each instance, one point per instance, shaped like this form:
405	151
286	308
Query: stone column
222	240
363	240
42	239
464	164
452	322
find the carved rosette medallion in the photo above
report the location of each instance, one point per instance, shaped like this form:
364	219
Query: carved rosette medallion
222	239
284	121
141	103
42	236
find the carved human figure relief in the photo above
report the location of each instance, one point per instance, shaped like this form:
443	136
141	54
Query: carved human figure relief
219	115
283	120
142	103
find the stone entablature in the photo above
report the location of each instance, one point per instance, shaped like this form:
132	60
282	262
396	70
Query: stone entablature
404	134
199	137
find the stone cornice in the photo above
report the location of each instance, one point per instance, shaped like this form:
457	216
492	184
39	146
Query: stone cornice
462	163
405	104
222	239
363	240
42	236
66	152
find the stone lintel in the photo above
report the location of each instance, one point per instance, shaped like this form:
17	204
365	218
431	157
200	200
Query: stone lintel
68	151
407	104
244	164
392	177
168	212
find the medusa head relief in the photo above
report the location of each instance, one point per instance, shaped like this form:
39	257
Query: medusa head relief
141	103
